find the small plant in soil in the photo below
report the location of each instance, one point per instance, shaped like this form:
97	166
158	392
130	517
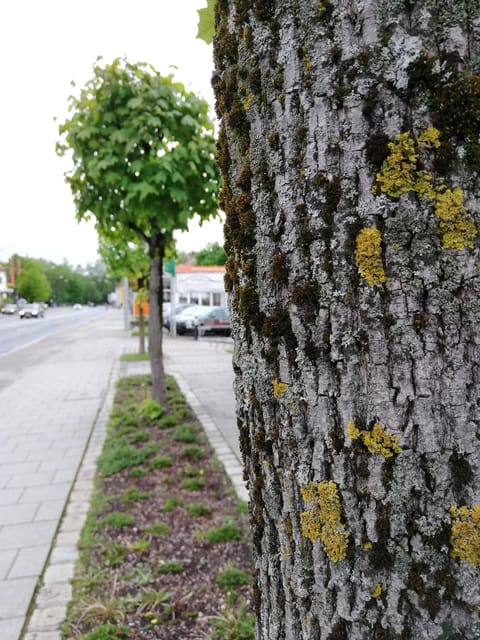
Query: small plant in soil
171	503
184	433
162	462
198	509
192	484
118	519
170	567
223	533
158	530
132	494
193	452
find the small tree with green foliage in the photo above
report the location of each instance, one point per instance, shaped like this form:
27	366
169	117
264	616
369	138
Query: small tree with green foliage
143	156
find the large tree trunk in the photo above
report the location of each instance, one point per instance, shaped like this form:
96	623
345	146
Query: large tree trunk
353	270
156	249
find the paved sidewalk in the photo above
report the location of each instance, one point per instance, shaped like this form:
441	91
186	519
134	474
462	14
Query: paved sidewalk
49	441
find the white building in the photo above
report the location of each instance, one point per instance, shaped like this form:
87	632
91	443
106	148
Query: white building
4	290
197	285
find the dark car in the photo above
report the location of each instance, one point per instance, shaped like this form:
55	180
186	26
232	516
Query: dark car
9	309
33	310
216	321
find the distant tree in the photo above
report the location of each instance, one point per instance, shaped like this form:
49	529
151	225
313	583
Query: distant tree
182	257
143	165
32	284
213	254
127	259
99	283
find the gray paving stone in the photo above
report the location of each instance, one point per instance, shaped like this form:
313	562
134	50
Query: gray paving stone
46	492
10	628
65	475
10	496
55	464
4	478
25	535
6	559
29	562
19	467
17	513
15	596
31	479
50	510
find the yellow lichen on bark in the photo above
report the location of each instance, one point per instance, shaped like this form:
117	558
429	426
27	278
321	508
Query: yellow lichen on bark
399	174
377	440
323	520
279	388
368	255
458	230
377	590
465	538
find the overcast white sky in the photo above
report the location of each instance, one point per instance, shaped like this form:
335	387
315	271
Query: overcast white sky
43	47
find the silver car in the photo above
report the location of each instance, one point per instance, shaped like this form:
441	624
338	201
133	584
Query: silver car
33	310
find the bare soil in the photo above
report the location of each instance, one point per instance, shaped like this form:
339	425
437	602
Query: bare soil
158	576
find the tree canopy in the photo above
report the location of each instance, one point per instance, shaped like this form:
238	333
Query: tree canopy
143	154
143	151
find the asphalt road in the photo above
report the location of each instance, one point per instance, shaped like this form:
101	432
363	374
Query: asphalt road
16	333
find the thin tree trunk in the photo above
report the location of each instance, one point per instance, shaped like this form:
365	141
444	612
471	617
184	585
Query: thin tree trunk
141	318
141	330
156	253
349	152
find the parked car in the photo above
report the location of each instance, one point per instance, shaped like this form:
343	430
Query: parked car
77	306
216	321
9	309
178	310
33	310
184	320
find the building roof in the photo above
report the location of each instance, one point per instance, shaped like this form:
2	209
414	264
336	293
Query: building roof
189	268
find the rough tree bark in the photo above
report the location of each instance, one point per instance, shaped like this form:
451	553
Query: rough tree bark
349	147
